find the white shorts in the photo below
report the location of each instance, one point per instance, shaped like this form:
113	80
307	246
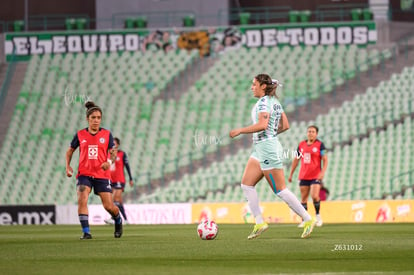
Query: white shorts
269	154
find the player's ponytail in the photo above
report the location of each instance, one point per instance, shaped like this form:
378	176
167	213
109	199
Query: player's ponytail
91	107
271	84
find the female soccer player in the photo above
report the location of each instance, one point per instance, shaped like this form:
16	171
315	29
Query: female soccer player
311	153
96	154
269	120
118	179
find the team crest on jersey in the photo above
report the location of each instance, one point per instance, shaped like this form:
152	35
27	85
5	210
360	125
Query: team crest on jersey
314	149
102	140
93	151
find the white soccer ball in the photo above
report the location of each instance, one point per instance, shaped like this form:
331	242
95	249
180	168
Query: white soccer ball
207	230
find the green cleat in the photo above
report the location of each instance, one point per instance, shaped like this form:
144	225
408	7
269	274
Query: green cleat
308	227
257	230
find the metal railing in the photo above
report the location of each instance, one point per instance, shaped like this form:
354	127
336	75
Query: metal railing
350	193
400	188
168	19
367	65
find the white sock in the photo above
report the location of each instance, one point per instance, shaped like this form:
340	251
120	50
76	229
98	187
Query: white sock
287	196
253	201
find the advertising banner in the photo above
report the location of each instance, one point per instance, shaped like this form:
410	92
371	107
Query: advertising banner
27	214
179	213
331	212
213	40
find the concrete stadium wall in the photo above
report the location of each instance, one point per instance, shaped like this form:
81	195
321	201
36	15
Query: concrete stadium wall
106	8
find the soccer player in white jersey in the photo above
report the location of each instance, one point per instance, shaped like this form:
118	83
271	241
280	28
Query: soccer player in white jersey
269	120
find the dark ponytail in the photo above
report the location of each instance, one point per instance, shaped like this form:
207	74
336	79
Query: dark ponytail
91	107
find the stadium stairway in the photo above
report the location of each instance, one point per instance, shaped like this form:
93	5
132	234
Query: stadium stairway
3	70
9	104
190	75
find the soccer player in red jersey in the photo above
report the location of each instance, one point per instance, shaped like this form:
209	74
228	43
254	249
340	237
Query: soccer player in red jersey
96	154
314	162
118	178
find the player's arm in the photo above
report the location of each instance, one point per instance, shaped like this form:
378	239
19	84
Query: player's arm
295	163
283	124
69	154
257	127
128	168
112	154
324	166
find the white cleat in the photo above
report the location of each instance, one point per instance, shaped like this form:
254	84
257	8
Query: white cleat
301	225
109	221
319	221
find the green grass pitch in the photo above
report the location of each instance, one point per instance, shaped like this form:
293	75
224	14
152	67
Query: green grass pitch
176	249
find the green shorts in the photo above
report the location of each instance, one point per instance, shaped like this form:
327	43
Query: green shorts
269	153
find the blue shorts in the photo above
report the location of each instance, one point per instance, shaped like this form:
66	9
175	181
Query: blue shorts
308	182
118	185
98	185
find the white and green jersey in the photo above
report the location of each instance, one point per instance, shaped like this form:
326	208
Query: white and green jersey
267	104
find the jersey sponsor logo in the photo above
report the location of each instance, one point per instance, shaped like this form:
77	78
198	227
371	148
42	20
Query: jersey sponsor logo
93	151
102	140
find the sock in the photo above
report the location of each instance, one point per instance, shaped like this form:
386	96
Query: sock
253	201
84	221
287	196
117	219
121	209
305	205
317	206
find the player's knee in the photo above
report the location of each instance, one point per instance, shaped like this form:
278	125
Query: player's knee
315	199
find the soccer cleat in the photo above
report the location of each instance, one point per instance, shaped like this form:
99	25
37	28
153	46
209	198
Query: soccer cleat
257	230
109	221
118	230
308	228
319	221
301	225
86	236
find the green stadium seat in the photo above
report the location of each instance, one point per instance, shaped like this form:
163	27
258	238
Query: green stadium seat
244	18
293	16
356	14
189	21
18	25
305	16
70	24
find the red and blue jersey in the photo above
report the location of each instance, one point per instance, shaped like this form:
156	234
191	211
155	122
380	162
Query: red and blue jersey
310	159
117	168
93	151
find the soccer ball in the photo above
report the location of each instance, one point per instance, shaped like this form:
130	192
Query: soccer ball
207	230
